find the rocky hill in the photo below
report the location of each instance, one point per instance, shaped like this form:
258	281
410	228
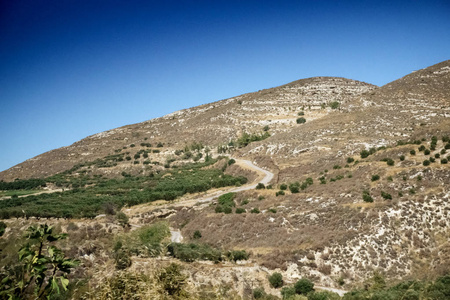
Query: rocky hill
361	183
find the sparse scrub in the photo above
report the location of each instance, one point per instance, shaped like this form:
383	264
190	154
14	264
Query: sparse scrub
375	177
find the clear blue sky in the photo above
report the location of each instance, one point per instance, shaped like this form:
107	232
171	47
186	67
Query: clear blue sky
72	68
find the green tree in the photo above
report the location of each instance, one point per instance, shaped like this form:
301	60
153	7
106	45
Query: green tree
303	286
276	280
42	268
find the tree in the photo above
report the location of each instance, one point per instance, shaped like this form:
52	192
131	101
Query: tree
303	286
276	280
42	268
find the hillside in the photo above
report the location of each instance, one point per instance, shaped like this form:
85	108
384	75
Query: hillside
324	178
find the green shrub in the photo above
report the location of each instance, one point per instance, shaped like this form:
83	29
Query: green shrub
350	160
294	187
443	151
386	195
367	197
236	255
303	286
279	193
421	148
364	153
255	211
288	292
334	105
283	187
227	199
336	167
390	162
437	155
227	210
426	152
122	218
197	234
2	228
260	186
301	120
301	113
273	210
173	280
193	251
240	210
276	280
447	146
402	157
412	152
432	159
444	161
259	293
231	161
375	177
426	162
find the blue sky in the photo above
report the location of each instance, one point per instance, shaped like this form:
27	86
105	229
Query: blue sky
72	68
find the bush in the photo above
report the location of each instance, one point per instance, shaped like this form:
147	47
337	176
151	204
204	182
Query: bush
255	211
303	286
367	197
426	152
426	162
276	280
350	160
279	193
421	148
231	161
259	293
294	187
301	113
122	219
172	279
375	177
364	153
402	157
283	187
301	120
2	228
236	255
260	186
197	234
412	152
432	159
390	162
288	292
444	161
227	210
240	210
386	195
334	105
